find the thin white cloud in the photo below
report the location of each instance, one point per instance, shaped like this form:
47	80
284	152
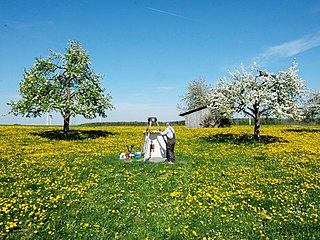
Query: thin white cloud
166	12
290	48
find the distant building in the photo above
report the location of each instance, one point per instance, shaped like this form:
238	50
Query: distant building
195	118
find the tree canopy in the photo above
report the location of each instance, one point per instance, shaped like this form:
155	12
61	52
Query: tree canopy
312	106
258	93
195	96
63	83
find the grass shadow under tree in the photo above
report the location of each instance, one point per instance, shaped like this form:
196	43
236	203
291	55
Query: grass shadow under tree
303	130
74	134
242	139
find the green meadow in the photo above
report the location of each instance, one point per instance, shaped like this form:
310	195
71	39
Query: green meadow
224	185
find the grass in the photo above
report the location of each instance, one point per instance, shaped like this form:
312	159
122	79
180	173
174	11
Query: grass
223	185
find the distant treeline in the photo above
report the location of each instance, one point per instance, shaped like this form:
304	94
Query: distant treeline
174	123
275	121
235	121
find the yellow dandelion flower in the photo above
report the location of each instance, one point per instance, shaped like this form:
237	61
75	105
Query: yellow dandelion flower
194	233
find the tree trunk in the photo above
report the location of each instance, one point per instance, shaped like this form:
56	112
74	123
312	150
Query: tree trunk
66	124
66	115
256	134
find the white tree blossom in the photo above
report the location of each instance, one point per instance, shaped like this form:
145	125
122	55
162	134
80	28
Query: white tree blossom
64	83
258	93
313	105
195	95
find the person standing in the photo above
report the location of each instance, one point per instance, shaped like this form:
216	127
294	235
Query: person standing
171	141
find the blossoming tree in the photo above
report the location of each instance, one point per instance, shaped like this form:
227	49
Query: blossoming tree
195	95
258	93
313	105
64	83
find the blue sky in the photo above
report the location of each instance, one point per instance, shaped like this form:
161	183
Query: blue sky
149	51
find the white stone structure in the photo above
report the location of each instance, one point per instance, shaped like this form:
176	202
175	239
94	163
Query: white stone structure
154	147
